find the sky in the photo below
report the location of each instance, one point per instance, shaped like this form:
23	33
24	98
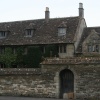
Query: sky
16	10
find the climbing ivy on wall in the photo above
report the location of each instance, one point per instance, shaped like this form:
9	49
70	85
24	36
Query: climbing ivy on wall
31	59
19	57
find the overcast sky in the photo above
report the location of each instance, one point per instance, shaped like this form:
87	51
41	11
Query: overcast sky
15	10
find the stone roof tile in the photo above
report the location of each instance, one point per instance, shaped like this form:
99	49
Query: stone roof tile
45	33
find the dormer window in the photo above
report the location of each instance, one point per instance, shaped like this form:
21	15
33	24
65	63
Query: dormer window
29	33
62	28
3	34
61	31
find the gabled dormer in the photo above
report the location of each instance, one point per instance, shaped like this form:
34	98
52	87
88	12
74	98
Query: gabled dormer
30	30
62	28
3	34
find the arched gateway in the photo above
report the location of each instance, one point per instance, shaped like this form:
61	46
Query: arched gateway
66	83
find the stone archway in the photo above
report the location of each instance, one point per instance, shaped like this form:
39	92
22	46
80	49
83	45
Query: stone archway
66	83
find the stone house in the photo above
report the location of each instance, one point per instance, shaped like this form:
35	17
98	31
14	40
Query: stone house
64	32
74	73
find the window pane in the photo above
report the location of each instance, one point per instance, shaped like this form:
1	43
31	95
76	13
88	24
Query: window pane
2	34
89	48
93	48
97	48
61	31
2	50
60	49
28	32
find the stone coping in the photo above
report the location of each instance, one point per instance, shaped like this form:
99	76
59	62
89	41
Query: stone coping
19	71
72	60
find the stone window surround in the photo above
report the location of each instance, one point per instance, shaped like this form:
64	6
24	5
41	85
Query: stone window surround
93	47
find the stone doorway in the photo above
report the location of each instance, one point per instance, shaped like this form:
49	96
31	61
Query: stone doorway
66	84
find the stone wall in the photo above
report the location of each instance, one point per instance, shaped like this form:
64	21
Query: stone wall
45	82
26	82
88	82
93	39
86	75
86	79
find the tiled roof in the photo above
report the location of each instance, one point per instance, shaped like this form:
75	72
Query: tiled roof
85	34
45	33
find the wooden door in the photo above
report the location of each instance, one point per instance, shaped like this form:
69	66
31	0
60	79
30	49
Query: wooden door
66	82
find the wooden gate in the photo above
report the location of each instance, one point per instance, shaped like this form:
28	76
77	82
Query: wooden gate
66	82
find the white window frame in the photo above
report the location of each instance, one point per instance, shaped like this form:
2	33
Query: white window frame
29	33
61	31
3	34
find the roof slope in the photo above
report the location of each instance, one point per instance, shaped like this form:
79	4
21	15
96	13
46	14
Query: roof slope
86	33
45	33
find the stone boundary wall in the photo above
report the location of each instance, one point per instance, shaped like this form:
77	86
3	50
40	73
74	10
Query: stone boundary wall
19	71
72	60
86	72
86	79
45	82
26	82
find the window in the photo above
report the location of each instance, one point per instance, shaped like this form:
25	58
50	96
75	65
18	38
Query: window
89	48
61	31
25	51
43	49
2	34
62	49
29	33
93	48
2	50
13	50
97	48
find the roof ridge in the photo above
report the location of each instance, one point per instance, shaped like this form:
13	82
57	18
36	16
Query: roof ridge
38	19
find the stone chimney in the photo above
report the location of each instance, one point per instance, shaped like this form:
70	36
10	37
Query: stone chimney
81	10
47	16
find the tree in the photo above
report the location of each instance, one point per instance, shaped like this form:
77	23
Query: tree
8	57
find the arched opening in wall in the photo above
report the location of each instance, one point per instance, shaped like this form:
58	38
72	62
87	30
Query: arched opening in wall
66	84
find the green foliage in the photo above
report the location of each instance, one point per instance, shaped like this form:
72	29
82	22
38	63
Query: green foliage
33	57
8	58
19	57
